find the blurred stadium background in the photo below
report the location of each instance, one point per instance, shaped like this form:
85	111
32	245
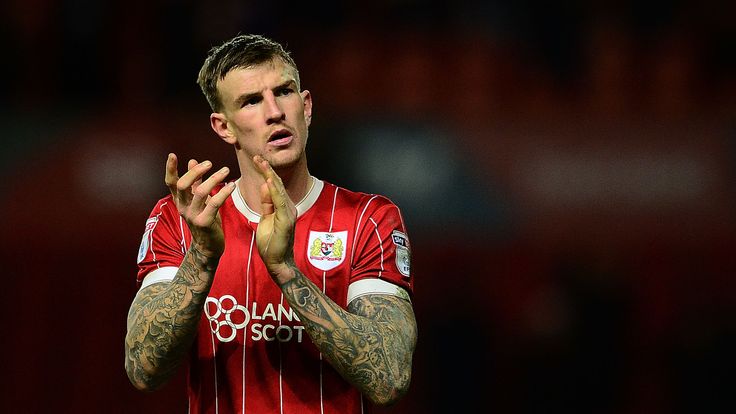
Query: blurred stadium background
566	172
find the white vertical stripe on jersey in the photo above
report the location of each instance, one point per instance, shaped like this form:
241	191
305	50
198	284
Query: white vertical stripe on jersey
321	393
247	287
380	244
214	364
183	239
355	235
324	286
334	201
281	382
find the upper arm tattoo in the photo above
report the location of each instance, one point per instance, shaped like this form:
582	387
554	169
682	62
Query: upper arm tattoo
371	344
162	322
396	331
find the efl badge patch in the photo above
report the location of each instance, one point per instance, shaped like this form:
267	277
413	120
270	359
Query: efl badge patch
326	250
150	224
403	255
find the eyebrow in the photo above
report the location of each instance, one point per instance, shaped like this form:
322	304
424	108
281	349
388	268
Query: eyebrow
246	96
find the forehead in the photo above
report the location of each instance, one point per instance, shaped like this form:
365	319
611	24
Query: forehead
255	78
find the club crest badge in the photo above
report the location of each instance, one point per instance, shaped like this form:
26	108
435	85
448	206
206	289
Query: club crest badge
403	255
326	250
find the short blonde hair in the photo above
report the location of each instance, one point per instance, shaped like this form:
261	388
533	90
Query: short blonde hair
242	51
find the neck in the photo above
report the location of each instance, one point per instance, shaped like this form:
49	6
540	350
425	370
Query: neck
296	179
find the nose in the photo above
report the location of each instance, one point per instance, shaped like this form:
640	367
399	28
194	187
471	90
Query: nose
273	110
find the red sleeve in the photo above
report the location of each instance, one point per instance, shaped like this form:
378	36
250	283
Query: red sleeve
382	248
164	241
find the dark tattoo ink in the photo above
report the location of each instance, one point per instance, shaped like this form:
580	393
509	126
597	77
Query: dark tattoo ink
162	322
371	344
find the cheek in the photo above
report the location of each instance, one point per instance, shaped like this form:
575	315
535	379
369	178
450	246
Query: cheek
303	127
302	117
244	125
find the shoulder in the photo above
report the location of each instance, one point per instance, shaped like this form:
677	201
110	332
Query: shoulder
164	203
361	201
164	208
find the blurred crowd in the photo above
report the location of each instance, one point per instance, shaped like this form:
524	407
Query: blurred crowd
566	172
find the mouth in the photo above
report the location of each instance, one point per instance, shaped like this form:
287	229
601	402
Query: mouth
280	137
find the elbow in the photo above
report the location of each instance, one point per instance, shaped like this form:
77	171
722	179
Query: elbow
391	394
141	386
143	382
144	373
137	381
141	379
389	389
385	401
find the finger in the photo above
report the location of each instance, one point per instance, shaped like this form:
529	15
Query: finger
282	204
217	200
193	163
172	175
205	188
193	175
266	202
275	186
185	182
265	169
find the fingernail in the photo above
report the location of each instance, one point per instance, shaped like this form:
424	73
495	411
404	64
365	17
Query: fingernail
206	164
223	170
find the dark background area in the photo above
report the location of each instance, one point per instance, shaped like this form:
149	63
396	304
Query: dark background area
566	171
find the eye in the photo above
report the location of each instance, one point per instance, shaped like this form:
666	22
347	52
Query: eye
284	91
251	101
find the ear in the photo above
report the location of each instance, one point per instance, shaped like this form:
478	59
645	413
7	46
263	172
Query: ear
307	98
219	124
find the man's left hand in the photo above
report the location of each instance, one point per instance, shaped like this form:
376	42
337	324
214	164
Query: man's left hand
275	233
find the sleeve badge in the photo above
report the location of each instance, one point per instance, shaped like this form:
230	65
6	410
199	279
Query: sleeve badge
150	225
403	254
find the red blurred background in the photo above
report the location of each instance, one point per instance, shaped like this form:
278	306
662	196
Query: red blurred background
566	172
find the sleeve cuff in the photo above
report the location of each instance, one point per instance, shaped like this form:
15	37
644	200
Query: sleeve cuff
375	286
163	274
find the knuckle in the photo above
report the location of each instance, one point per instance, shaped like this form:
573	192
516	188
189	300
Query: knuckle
200	192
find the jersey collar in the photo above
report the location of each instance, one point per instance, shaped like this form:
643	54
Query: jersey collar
315	189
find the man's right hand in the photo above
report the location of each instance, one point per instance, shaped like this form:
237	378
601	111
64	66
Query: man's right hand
194	204
163	318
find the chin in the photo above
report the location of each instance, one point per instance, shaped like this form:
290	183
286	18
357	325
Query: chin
281	160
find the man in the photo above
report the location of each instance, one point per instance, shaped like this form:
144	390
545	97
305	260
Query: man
317	317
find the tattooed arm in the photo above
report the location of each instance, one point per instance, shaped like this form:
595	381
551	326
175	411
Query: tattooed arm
163	318
162	322
371	345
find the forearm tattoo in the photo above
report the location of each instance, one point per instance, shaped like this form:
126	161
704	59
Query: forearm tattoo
162	322
371	344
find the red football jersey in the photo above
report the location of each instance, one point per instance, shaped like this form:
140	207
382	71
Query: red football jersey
252	354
